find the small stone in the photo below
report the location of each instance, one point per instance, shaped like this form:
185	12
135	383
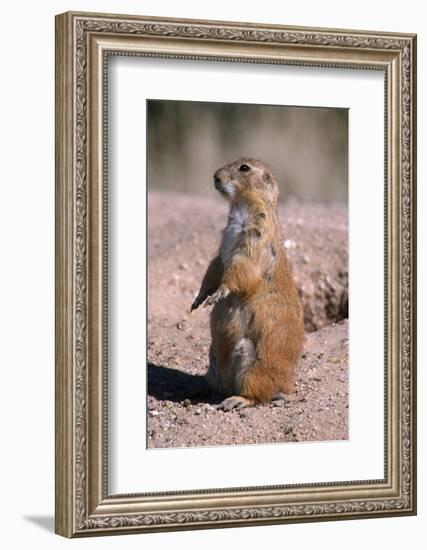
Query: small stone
198	411
154	413
279	403
180	325
186	402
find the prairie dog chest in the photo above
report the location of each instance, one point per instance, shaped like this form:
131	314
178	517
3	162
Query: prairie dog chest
236	222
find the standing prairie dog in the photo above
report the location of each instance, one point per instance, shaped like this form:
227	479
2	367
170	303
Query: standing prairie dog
257	320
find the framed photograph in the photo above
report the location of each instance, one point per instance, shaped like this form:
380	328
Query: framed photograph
235	274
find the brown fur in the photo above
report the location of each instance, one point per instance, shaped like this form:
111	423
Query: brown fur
257	321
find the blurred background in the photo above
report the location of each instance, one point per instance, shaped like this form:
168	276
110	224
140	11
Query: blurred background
306	147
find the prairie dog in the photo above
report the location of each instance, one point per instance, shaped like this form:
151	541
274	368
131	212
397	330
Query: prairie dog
257	320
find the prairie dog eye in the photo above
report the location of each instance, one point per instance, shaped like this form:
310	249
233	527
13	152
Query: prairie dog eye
244	168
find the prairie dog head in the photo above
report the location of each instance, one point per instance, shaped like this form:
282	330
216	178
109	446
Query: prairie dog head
246	178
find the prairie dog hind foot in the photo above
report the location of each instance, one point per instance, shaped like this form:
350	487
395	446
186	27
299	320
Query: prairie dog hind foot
235	402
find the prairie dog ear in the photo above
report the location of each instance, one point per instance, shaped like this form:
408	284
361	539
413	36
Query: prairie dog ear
267	176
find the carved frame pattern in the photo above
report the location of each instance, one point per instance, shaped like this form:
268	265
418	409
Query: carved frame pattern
83	506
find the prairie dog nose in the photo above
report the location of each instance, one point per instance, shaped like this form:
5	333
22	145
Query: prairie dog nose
217	176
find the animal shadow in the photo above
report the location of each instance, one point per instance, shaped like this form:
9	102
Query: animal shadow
175	385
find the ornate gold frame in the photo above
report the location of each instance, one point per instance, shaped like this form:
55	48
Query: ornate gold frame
83	42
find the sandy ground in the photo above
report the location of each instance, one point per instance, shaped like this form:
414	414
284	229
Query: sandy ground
184	233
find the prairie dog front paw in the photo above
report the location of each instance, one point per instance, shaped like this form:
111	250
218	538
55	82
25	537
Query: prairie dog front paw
220	294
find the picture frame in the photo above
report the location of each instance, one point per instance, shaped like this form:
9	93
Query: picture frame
84	41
